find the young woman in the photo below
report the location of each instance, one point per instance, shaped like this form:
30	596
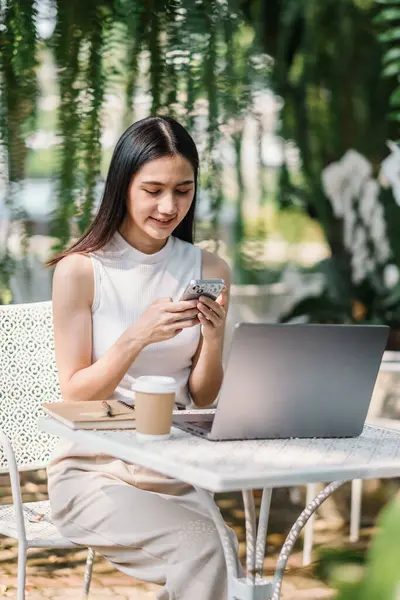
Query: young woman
117	315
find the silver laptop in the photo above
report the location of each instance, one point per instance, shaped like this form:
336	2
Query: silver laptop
286	380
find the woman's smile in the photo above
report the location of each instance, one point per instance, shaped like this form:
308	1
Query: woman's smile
163	222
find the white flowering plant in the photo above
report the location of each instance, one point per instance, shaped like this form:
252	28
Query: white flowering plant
364	286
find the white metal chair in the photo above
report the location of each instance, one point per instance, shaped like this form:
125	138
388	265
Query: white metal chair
28	377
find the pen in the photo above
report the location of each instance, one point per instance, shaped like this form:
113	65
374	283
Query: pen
107	408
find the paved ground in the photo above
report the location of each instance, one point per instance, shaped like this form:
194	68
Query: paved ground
58	575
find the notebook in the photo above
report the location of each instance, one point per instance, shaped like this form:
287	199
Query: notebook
91	415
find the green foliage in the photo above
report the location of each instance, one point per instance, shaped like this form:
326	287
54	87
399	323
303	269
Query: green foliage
18	90
7	265
337	91
18	95
67	42
80	44
388	21
135	17
328	71
381	578
101	24
180	51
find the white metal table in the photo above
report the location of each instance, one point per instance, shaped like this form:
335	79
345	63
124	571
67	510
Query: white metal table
247	465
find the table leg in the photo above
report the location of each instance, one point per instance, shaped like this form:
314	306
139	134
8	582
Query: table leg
262	529
308	530
254	586
251	532
295	532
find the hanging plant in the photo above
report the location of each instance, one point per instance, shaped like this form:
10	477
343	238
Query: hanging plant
173	54
156	70
192	74
388	21
332	93
96	80
18	96
67	42
80	42
135	16
181	51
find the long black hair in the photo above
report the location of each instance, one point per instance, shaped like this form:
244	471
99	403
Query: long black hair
145	140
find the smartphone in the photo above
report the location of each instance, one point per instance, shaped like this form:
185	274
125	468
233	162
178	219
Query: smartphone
203	287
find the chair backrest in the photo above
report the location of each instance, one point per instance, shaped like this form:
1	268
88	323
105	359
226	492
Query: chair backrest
28	377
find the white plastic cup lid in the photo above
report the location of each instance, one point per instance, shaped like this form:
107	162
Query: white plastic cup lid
155	384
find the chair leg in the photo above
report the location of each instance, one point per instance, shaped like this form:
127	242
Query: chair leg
88	572
21	577
308	529
355	514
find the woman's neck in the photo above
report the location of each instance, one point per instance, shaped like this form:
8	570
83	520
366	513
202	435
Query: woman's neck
140	241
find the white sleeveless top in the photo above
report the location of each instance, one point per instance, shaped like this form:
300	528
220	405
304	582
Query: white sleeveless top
126	281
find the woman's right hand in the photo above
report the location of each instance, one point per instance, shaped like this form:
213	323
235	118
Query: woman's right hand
163	320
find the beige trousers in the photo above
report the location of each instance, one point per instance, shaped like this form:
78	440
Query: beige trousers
147	525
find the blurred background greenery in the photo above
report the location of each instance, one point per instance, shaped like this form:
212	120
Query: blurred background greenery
294	106
273	91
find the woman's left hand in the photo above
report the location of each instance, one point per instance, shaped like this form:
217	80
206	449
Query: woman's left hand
212	316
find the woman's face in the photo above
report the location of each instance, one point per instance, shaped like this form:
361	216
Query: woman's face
160	195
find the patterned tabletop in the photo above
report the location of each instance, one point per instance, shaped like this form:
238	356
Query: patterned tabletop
234	465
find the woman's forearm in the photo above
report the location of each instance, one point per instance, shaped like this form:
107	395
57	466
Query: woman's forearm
206	377
99	380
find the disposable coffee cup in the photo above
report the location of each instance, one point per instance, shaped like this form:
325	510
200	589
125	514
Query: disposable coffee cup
154	403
